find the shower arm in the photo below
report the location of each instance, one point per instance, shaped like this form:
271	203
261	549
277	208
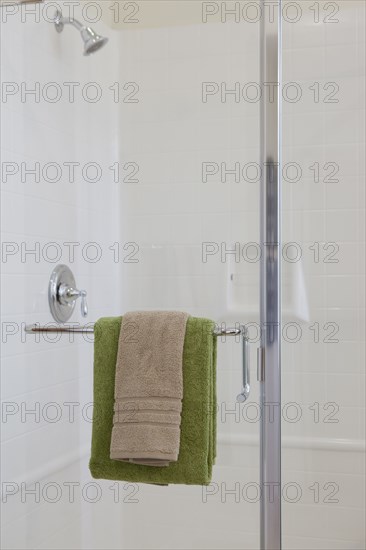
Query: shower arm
60	21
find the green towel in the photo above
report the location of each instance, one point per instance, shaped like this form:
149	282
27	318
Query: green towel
198	427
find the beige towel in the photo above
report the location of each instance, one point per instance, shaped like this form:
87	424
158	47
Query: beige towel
149	388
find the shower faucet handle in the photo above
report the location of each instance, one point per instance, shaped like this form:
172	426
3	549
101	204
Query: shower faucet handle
63	294
84	305
68	295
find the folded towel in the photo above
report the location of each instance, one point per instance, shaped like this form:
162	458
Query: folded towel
149	388
198	420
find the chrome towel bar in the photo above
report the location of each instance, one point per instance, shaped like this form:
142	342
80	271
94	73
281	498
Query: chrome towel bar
240	331
63	329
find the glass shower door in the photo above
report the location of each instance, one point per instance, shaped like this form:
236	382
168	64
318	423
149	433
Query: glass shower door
194	213
323	276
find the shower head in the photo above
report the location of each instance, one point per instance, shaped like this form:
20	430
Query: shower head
92	41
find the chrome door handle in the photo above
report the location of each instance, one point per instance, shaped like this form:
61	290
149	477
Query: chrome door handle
239	331
244	394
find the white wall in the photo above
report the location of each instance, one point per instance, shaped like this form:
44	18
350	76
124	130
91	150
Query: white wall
36	449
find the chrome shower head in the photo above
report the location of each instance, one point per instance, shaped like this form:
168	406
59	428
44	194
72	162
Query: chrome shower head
92	41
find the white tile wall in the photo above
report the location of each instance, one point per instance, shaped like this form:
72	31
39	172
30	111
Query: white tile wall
38	373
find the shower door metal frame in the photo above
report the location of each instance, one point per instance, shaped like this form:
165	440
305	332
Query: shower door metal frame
269	356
